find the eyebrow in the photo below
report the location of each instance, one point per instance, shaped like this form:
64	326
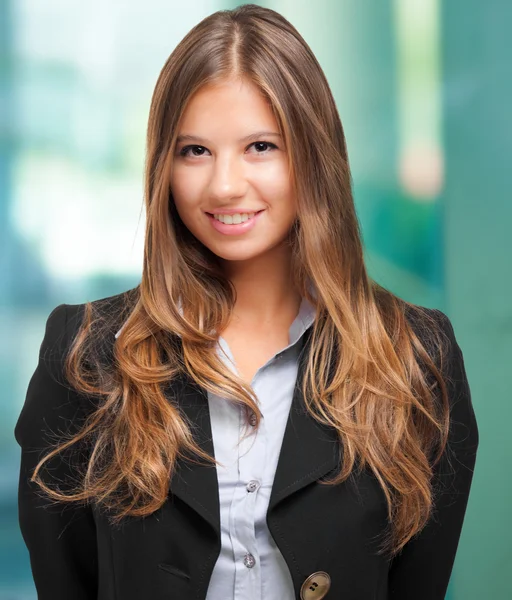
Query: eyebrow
253	136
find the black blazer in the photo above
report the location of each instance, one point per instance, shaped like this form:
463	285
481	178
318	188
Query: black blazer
324	532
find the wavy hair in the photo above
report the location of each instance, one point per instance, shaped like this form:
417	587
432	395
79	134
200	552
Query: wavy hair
367	373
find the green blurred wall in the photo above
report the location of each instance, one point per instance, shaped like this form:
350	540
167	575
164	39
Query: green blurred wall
477	222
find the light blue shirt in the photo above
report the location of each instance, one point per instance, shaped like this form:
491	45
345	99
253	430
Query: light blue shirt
250	565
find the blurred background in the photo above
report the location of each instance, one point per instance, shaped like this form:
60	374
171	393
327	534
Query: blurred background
423	90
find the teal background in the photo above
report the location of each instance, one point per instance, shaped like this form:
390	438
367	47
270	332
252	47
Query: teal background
423	90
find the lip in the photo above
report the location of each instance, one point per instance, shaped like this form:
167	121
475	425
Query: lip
239	228
233	211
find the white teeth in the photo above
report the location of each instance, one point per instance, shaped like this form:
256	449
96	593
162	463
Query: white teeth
234	219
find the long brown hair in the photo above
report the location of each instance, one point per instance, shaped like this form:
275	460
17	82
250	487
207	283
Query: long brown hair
367	373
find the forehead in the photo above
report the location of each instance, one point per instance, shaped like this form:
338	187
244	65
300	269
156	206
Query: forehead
231	103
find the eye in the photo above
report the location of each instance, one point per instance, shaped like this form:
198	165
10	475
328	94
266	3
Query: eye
185	150
259	144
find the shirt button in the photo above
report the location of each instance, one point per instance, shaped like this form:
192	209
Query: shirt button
249	560
252	419
252	486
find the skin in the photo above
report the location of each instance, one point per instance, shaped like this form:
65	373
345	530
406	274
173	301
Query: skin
217	170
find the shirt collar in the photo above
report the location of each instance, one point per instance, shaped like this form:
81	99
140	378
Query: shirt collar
303	321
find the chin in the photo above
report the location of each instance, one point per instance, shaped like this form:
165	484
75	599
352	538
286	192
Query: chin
237	254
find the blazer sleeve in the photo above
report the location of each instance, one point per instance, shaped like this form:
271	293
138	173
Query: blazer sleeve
422	570
60	537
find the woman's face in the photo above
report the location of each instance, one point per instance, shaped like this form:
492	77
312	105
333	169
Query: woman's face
231	159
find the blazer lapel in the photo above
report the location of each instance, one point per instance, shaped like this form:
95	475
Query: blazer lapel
309	449
195	482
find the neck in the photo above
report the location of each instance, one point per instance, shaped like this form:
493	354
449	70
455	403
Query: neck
264	288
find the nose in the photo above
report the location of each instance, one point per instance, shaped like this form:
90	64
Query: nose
227	178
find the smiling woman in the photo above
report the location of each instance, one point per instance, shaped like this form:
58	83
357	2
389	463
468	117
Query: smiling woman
258	418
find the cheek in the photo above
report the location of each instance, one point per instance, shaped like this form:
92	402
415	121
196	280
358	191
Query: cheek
275	187
185	191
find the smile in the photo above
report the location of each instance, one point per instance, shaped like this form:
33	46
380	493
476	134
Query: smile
236	228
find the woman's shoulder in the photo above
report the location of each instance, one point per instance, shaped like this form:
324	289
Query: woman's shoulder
436	332
50	401
64	322
398	313
421	316
109	310
431	325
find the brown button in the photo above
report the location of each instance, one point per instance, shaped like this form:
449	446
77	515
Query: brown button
316	586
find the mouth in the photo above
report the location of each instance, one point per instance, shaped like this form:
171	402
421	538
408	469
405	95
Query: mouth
234	228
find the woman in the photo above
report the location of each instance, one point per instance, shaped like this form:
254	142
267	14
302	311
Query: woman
257	418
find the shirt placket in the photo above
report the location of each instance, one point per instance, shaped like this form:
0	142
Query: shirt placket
251	461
